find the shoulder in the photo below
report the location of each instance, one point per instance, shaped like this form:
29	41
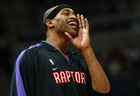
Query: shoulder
34	48
27	57
30	51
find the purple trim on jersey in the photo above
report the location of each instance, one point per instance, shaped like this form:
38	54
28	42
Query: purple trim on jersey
19	81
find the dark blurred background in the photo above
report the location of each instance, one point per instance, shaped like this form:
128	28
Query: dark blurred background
115	30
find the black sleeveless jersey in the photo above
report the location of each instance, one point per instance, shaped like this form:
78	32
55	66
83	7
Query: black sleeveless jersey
41	70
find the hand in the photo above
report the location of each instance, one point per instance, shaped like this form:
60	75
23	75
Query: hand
82	41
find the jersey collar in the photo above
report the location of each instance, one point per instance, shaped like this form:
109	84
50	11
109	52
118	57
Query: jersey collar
51	48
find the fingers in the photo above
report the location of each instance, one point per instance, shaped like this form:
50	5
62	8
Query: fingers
79	21
68	35
86	24
83	22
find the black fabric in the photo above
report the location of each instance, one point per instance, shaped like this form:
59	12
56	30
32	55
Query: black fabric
37	73
13	86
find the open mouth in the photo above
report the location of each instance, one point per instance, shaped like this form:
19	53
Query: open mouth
74	26
73	23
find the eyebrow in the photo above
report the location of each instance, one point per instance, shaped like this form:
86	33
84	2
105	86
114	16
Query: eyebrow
68	10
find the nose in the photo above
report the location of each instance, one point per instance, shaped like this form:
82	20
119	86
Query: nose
73	16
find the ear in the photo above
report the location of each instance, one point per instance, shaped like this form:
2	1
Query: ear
50	23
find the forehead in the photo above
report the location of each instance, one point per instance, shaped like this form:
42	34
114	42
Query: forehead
66	10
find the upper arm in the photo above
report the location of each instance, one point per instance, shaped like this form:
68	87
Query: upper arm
25	73
34	72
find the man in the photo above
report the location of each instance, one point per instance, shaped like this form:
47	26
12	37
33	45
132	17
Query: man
48	69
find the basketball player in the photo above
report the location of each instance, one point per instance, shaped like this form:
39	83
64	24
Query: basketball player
48	69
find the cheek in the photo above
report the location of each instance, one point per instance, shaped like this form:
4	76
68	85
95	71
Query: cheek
62	25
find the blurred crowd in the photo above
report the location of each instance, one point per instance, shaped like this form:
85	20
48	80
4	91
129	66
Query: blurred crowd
122	66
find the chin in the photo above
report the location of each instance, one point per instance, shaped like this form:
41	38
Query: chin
74	34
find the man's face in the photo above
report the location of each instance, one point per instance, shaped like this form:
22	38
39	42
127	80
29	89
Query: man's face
66	21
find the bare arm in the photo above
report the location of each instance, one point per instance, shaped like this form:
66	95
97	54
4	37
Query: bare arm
100	82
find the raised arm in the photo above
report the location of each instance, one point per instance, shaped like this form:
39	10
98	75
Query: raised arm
100	82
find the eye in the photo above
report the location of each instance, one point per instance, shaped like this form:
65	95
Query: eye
66	13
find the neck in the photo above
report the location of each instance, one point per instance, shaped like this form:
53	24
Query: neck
57	41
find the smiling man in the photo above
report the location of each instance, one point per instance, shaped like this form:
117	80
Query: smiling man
48	69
